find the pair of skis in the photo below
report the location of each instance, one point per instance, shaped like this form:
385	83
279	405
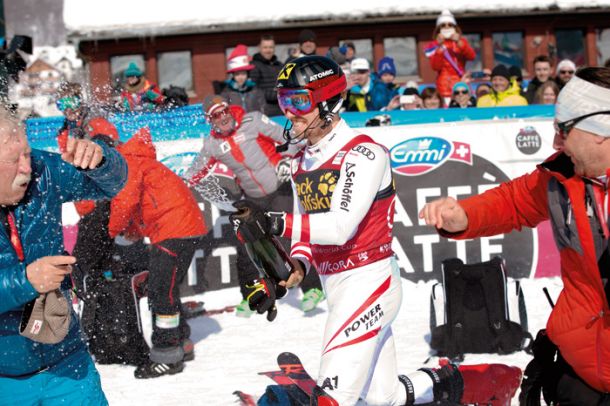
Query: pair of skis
298	385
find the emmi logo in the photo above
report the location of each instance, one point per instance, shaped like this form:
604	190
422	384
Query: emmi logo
418	156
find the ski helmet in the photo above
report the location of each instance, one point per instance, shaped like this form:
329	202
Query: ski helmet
309	82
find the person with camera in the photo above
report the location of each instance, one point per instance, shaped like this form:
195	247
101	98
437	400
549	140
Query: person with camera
448	53
342	223
570	189
44	358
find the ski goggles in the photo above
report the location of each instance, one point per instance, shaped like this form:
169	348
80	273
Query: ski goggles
296	101
70	102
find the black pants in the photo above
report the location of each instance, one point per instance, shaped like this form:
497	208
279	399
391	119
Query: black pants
169	262
280	200
573	391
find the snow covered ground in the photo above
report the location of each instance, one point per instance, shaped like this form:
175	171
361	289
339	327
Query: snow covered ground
231	350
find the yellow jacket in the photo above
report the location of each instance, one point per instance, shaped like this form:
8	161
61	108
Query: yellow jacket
509	97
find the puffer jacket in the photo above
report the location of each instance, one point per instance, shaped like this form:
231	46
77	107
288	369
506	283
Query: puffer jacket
447	74
38	219
264	75
580	321
154	196
249	152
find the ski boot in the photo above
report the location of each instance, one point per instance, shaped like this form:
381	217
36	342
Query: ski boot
311	298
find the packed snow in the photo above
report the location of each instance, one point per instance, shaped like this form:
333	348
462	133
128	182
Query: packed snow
230	351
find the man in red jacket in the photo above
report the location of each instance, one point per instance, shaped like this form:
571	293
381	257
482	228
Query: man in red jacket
157	202
571	190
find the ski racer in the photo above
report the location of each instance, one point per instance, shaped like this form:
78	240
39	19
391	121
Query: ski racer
245	143
342	223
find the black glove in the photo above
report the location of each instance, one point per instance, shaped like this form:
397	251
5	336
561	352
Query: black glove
251	223
262	294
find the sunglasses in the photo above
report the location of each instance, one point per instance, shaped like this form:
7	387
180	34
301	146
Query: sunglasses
219	114
566	72
564	128
70	102
457	92
296	101
447	25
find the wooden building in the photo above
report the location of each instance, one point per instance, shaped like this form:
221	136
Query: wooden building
193	55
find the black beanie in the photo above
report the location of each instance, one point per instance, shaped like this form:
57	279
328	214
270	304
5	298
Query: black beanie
307	35
501	70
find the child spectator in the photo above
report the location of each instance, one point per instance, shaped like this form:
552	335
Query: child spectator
431	99
547	93
462	97
139	94
503	92
239	89
565	70
542	70
448	53
386	88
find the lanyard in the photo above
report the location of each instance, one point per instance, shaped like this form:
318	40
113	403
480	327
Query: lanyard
601	205
14	235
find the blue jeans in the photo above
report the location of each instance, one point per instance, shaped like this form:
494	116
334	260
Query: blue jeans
73	381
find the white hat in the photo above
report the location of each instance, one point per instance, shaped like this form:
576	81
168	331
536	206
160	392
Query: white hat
445	17
359	64
566	64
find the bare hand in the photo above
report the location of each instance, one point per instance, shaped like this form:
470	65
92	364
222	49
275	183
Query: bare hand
295	277
82	153
394	103
445	213
47	273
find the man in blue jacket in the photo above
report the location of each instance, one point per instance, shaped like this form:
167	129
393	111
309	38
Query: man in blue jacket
33	186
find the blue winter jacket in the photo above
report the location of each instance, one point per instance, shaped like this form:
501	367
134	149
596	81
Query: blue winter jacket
38	219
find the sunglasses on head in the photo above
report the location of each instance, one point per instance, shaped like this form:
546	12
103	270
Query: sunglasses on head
70	102
460	91
564	72
296	101
563	128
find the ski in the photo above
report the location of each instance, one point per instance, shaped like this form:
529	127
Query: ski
295	395
193	308
245	399
293	369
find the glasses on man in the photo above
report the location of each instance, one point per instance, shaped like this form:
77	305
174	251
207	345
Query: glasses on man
70	102
460	91
563	128
219	114
566	72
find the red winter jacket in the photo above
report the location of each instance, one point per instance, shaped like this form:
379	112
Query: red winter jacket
580	321
155	195
447	75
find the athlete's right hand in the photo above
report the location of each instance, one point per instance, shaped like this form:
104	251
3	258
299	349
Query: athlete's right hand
47	273
445	213
261	296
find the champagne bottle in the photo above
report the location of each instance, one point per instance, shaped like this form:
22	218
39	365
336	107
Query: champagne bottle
270	258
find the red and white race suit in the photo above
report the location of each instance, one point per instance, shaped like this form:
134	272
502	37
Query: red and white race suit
342	223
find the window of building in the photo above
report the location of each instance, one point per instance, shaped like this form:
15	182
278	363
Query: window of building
364	49
603	45
118	65
475	42
508	48
175	68
404	52
571	45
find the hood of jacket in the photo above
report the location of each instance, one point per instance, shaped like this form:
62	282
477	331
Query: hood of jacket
139	145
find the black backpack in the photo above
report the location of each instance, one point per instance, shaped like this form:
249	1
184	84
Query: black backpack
476	309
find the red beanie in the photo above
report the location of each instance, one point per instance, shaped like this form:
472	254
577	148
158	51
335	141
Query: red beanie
239	60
